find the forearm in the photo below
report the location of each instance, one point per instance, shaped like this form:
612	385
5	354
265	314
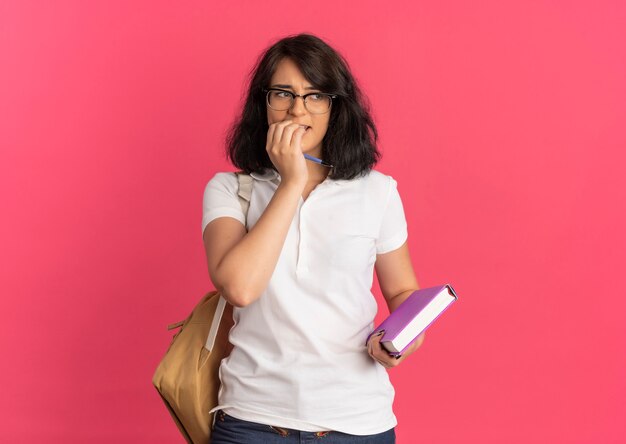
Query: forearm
247	268
398	299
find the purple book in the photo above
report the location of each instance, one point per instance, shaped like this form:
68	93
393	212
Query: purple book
414	316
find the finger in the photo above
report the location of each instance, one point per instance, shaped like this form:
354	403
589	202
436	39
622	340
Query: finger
382	359
389	360
377	335
373	337
375	341
379	346
382	353
288	134
379	353
372	352
298	134
278	133
270	136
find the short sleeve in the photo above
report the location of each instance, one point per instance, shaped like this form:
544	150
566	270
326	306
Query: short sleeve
393	229
221	200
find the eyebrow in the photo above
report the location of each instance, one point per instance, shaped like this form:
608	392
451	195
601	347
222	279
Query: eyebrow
290	87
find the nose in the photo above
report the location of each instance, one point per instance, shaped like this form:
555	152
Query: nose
297	107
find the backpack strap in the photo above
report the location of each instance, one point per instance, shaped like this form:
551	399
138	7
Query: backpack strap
245	191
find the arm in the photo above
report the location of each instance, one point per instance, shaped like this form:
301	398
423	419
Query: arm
397	281
396	276
241	264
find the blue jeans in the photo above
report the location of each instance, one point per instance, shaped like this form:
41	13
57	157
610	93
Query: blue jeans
230	430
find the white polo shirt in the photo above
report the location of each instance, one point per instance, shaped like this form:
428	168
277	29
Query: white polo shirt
299	358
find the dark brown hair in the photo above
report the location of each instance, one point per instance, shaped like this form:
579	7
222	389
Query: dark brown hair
350	141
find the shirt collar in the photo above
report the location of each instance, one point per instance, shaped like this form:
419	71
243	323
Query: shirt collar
266	175
270	174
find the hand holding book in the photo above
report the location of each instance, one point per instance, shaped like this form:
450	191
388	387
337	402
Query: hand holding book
403	329
382	356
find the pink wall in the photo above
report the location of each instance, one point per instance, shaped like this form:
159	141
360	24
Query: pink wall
503	123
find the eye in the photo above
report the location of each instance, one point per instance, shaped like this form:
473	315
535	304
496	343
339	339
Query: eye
283	94
316	97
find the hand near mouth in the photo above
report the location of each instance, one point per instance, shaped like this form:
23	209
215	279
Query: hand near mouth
284	148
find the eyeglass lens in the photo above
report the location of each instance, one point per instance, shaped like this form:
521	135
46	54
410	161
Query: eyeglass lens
282	101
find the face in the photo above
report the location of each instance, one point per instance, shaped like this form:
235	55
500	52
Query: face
289	77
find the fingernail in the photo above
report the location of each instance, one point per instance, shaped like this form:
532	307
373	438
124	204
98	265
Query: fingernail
380	332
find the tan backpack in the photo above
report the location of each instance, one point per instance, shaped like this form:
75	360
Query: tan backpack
187	378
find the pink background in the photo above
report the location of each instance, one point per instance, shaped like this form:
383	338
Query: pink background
503	123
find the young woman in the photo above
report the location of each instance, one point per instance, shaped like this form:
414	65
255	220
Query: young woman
299	269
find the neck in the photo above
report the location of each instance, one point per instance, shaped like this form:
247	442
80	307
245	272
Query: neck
317	172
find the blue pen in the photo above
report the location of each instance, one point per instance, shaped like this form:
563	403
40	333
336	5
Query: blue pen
316	160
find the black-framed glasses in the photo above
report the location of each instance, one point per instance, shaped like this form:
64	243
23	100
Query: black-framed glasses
315	103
